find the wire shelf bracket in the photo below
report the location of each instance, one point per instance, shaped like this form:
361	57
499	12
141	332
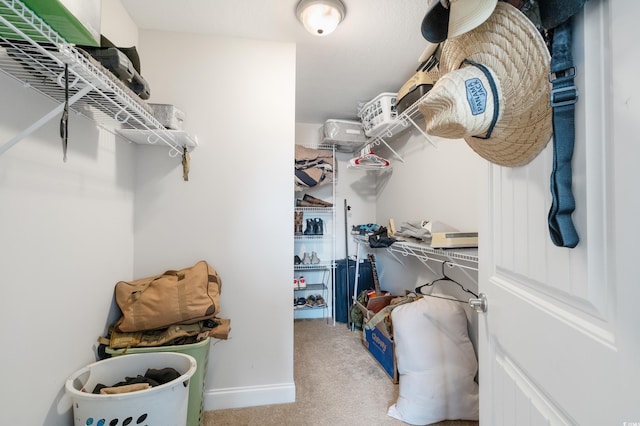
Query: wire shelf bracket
399	125
42	121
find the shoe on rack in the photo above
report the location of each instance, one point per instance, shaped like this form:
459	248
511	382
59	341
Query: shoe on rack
295	284
320	300
366	229
311	301
297	223
303	203
317	201
302	283
306	260
319	226
297	260
310	227
314	258
300	302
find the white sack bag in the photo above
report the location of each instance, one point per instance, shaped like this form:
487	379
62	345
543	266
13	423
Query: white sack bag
436	363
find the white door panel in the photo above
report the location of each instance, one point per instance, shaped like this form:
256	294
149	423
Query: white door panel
557	344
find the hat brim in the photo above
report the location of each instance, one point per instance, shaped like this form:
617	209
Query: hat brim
509	44
466	15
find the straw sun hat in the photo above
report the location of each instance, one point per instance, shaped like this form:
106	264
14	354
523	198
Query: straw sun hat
504	62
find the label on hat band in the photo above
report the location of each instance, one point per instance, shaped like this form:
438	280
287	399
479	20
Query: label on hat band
476	95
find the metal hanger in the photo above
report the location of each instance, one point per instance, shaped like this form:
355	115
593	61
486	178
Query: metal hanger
418	289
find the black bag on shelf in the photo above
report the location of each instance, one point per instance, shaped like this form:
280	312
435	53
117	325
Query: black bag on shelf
123	62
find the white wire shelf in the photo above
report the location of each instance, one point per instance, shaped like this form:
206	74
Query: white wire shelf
409	118
35	55
313	237
425	252
314	267
407	248
402	122
309	308
311	287
148	137
319	210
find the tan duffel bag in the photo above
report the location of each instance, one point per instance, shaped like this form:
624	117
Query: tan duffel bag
184	296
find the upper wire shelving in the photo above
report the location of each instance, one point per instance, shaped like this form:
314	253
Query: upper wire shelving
463	257
402	122
35	55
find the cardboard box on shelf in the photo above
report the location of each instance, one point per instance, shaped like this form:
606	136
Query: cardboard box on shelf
374	305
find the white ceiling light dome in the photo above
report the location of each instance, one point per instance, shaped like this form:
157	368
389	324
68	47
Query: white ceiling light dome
320	17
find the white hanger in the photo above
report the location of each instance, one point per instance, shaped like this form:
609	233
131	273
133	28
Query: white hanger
369	160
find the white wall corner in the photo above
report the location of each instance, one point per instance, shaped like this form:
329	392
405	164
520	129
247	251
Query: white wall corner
117	25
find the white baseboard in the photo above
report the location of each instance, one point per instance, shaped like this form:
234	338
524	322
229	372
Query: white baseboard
250	396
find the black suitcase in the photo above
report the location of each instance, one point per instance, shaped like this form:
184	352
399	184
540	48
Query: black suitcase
344	295
122	67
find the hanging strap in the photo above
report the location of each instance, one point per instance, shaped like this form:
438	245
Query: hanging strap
564	95
64	120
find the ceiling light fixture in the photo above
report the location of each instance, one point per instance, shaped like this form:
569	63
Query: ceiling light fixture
320	17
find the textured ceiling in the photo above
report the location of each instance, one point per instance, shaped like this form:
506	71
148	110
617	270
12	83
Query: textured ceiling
374	50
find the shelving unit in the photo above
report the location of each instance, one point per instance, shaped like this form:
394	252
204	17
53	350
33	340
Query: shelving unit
35	55
425	252
149	137
464	258
402	122
320	277
320	287
467	257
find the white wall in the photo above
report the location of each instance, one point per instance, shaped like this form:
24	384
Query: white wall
434	183
66	237
236	211
116	24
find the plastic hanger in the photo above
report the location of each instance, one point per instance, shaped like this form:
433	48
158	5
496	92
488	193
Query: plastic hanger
418	289
369	160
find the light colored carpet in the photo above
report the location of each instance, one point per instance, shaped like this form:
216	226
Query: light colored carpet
337	383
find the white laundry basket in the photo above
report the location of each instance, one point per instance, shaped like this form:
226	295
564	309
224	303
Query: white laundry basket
163	405
378	114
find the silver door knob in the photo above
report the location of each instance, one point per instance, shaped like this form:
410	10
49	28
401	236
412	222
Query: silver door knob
480	304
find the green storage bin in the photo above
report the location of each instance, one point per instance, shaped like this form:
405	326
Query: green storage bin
76	21
200	351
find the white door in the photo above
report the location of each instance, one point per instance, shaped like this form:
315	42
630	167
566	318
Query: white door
560	341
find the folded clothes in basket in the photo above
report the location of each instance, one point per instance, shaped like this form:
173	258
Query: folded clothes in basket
153	377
